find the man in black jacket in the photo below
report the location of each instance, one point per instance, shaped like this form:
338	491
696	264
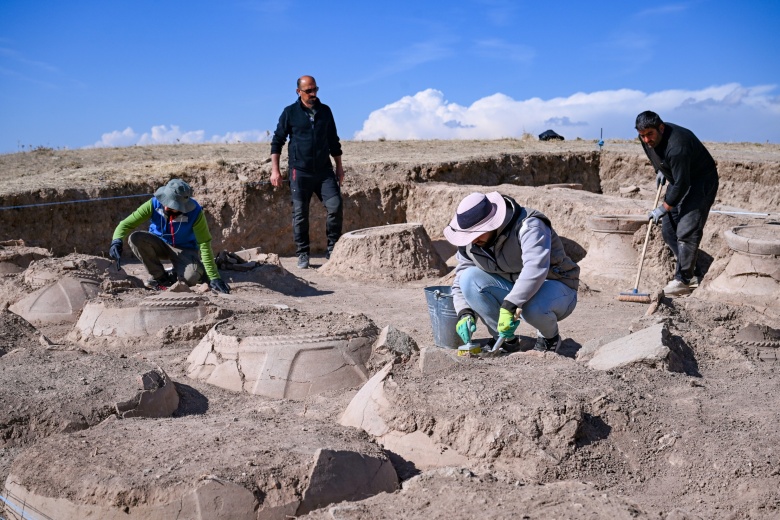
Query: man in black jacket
679	158
313	140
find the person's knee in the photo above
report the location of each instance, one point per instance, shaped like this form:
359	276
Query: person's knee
192	276
334	205
469	285
299	206
534	314
136	238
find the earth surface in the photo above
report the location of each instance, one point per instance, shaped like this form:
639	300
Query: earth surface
639	441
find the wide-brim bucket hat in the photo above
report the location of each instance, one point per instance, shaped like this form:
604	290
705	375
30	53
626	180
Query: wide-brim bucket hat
176	195
476	214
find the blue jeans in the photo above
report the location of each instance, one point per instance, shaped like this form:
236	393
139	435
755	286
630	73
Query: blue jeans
485	292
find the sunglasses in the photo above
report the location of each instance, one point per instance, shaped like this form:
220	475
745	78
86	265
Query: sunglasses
311	90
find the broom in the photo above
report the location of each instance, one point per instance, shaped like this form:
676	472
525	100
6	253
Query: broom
634	295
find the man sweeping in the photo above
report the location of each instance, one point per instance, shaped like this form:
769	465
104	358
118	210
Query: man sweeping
178	232
510	259
680	159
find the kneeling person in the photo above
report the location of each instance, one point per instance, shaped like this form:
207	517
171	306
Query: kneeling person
510	258
178	232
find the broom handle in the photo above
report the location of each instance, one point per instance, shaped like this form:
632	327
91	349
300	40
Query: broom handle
647	239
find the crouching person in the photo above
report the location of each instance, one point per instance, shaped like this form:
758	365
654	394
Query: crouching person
178	232
509	259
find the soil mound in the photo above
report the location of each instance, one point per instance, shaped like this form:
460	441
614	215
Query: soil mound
395	253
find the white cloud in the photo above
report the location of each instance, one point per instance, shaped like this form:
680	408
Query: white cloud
161	134
247	136
720	113
126	137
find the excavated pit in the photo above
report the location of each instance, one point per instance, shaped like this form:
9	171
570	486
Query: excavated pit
651	438
611	251
261	355
103	322
751	275
278	475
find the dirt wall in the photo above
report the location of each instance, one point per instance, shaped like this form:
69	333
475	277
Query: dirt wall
244	210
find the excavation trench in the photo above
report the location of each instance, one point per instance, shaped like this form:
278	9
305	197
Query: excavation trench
66	213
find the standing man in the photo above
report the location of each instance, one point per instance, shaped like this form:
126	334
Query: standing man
509	259
313	140
680	159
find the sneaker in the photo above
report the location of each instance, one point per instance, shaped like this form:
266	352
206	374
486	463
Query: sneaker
511	345
547	345
303	261
161	284
695	282
327	254
677	288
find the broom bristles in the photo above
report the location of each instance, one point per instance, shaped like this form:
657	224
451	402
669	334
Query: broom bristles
636	297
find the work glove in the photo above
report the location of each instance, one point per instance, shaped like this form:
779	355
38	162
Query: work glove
660	179
507	325
466	326
219	285
657	214
115	251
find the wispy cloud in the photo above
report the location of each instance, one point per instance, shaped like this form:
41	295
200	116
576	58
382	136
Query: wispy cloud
499	12
408	58
715	113
662	10
22	60
14	74
274	7
162	134
502	50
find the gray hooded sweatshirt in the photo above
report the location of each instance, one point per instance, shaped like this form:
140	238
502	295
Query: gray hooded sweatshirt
526	251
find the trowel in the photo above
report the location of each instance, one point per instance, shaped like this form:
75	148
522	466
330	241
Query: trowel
496	346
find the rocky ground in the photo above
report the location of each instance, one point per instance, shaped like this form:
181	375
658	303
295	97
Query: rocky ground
526	435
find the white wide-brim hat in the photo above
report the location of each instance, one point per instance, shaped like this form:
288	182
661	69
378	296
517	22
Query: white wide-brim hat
476	214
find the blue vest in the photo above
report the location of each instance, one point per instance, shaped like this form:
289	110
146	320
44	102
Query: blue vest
177	232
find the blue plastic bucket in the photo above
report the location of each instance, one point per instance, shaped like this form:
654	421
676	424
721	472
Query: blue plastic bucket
443	316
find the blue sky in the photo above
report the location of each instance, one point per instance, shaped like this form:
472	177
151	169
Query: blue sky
118	73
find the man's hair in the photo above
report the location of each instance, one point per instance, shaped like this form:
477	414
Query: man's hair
648	119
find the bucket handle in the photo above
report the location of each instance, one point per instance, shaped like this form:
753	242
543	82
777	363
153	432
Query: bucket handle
437	294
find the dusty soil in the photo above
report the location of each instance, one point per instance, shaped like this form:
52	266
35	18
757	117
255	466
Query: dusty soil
545	436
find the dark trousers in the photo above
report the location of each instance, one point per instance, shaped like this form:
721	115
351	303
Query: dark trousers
683	228
327	189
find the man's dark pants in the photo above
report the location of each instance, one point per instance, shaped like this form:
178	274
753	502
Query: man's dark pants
326	188
683	228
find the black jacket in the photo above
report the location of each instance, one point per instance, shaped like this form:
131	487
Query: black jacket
312	139
684	161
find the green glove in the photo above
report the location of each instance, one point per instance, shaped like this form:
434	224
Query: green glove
466	327
507	324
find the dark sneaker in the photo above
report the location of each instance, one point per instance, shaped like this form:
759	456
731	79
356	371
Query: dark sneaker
161	284
511	345
303	261
327	254
547	345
